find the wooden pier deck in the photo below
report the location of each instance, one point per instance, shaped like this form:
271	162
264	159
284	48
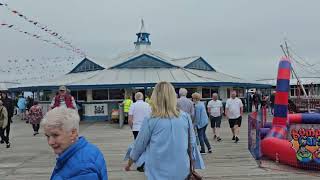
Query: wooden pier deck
30	157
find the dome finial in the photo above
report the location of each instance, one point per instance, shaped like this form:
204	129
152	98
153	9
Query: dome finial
142	37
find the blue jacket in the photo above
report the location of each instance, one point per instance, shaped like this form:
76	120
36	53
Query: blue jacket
81	161
22	103
201	117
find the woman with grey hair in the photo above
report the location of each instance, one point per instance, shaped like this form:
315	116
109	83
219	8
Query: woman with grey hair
185	104
76	157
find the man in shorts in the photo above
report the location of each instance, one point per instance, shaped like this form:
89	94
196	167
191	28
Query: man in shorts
234	111
215	110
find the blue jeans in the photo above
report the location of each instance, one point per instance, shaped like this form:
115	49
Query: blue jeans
203	138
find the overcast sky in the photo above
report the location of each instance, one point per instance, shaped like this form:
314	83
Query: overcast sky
239	37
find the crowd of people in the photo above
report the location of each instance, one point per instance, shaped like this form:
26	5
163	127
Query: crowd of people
165	126
166	119
258	100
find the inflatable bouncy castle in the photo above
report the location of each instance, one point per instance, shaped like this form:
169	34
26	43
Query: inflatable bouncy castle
292	139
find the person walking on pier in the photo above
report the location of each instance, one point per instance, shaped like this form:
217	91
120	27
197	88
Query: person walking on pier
201	122
77	158
3	123
63	99
126	107
34	116
234	111
185	104
137	113
215	110
8	103
256	100
164	138
22	103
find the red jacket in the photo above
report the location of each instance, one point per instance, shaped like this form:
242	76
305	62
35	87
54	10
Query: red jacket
67	99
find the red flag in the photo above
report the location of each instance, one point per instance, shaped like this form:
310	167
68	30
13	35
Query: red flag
4	24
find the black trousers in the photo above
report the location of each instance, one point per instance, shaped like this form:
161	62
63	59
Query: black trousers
36	127
3	137
7	129
135	134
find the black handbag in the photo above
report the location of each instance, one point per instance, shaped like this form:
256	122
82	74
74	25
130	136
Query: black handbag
193	175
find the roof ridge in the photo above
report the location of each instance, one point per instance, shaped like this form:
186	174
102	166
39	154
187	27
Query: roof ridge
184	58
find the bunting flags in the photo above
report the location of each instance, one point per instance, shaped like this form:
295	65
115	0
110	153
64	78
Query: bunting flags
14	27
33	69
66	44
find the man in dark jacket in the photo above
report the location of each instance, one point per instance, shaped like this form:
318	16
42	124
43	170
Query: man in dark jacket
8	103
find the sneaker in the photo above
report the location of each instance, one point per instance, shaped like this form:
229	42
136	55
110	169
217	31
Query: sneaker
210	151
237	140
140	169
203	152
219	139
234	138
214	137
8	145
2	141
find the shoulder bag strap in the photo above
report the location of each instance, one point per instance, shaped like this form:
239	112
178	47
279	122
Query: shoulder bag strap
190	148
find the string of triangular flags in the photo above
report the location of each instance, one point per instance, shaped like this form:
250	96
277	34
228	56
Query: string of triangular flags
14	27
37	68
46	29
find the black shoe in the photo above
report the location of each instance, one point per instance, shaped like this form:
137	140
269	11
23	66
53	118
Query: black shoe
210	151
219	139
140	169
233	138
2	141
203	152
8	145
237	140
214	137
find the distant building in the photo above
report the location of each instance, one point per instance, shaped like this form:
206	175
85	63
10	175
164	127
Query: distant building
100	86
311	86
5	85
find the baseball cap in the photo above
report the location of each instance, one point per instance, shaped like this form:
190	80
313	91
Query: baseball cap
62	88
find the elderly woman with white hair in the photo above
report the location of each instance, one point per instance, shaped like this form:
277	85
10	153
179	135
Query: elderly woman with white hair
77	159
185	104
166	139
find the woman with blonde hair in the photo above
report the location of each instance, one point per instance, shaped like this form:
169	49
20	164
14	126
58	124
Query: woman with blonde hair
201	122
164	138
